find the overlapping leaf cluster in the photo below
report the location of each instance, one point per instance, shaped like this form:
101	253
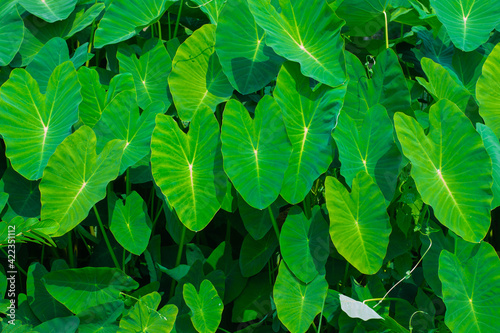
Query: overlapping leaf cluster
250	165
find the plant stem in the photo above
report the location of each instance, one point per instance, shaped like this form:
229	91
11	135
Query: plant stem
91	42
123	260
307	206
169	27
178	18
275	225
159	30
386	31
321	316
178	259
108	244
69	248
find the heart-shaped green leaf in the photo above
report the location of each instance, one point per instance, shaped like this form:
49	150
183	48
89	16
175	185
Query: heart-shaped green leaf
310	116
487	90
188	167
255	254
304	243
206	306
130	224
49	10
84	174
439	162
359	224
470	290
32	124
298	303
247	61
319	51
256	151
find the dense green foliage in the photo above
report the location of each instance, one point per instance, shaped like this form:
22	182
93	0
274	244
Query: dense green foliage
249	166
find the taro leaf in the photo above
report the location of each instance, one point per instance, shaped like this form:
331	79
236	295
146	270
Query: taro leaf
212	9
76	178
387	87
310	117
488	91
24	195
298	303
359	224
49	10
130	224
433	48
124	19
100	318
247	61
320	51
470	290
371	148
439	162
11	32
493	148
254	302
127	125
468	23
51	55
93	96
64	324
364	17
150	72
206	306
207	84
144	316
304	243
255	254
81	288
44	306
188	167
442	84
357	309
256	221
467	67
256	151
32	124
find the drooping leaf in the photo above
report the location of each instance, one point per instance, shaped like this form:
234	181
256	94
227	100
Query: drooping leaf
207	84
357	309
11	32
130	224
247	61
82	288
206	306
255	254
150	72
359	223
488	91
32	124
288	31
49	10
298	303
76	178
188	167
493	148
255	151
439	162
310	116
304	243
371	148
468	23
124	19
470	289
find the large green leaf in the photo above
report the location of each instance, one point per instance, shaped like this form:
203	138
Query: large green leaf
247	61
188	167
49	10
32	124
93	96
359	224
11	32
124	19
207	84
82	288
441	162
255	254
256	151
150	72
304	243
298	303
76	178
320	51
386	86
130	224
364	17
144	316
470	290
468	23
310	116
488	91
371	148
206	306
493	148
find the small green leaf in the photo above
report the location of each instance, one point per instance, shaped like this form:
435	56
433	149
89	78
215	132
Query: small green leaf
206	306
